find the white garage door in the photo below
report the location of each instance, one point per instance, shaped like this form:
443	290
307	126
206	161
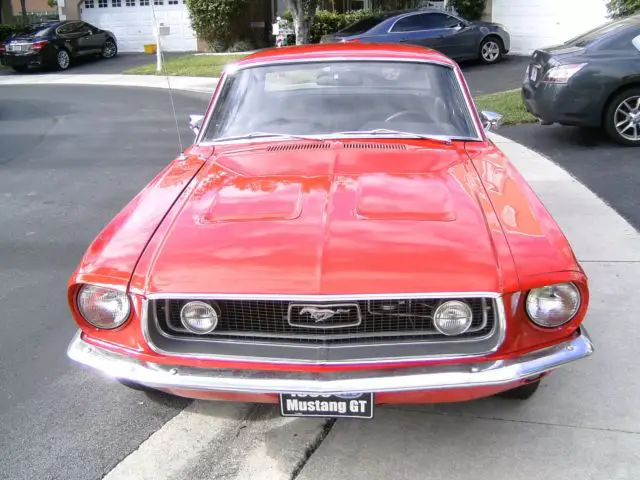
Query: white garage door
132	22
542	23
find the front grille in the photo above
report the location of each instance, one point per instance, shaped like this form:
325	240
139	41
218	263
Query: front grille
357	322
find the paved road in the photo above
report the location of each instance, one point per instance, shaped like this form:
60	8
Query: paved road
609	170
70	158
481	78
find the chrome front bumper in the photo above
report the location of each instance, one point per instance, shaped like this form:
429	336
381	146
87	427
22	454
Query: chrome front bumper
467	375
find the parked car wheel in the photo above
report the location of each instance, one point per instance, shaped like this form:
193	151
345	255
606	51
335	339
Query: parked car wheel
109	50
622	118
521	393
19	69
63	60
491	50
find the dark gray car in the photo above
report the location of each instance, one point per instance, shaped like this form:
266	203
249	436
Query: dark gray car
442	31
592	80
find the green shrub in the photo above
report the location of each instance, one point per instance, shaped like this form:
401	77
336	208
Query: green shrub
7	30
622	8
215	20
468	9
326	22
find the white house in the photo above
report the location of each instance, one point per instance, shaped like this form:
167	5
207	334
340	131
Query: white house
531	23
539	23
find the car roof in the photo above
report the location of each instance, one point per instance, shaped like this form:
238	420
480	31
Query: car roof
337	51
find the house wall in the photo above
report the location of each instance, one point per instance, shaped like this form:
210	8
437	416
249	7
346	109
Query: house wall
31	6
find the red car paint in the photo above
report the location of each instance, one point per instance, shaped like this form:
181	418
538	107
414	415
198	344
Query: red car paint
241	219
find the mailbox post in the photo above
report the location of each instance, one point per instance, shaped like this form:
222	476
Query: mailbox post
161	30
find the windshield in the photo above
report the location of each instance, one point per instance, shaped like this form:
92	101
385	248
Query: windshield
591	36
35	30
342	98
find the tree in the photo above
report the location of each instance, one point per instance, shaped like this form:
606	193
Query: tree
303	12
622	8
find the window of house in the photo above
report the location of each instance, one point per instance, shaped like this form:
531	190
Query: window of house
116	3
102	4
172	2
89	4
144	3
158	2
130	3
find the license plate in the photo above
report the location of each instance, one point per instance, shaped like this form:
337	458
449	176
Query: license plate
17	48
359	405
534	74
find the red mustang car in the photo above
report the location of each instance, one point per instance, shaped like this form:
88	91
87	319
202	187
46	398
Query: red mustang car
341	234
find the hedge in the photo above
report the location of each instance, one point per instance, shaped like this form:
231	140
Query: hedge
326	21
7	30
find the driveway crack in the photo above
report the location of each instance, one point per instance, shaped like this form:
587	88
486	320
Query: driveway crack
326	429
530	422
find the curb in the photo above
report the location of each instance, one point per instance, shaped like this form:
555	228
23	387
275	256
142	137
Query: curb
192	84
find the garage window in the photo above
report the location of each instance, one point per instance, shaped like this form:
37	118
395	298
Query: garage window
102	4
144	3
158	2
172	2
116	3
89	4
130	3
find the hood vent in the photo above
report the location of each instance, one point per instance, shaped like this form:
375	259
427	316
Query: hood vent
376	146
286	147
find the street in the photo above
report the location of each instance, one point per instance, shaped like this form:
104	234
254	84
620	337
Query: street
73	156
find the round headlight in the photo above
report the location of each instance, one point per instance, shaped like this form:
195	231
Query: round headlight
453	318
103	307
199	317
553	305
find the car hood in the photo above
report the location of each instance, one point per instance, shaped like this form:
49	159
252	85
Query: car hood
299	219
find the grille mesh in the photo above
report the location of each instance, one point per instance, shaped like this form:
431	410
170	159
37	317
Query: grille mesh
283	321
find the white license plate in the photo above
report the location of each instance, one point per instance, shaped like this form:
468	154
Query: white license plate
534	74
335	406
17	48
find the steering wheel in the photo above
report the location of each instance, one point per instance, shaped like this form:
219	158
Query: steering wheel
409	113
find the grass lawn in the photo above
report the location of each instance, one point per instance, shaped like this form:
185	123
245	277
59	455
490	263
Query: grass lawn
189	65
508	104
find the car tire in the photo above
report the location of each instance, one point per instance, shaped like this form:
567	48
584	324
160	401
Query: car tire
109	49
20	69
63	59
622	117
523	392
491	50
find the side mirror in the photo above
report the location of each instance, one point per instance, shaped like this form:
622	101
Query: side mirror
490	120
195	123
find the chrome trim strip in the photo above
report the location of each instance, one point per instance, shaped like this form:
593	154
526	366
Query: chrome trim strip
373	58
500	326
438	377
319	297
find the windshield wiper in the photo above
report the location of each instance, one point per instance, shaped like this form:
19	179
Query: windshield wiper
385	131
265	134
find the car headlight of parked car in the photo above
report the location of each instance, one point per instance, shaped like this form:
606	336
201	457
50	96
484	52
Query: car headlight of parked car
103	307
553	305
563	73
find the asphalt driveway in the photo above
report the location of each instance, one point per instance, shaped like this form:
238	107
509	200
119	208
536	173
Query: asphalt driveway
482	79
609	170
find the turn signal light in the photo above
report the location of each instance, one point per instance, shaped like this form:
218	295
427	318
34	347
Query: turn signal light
38	45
